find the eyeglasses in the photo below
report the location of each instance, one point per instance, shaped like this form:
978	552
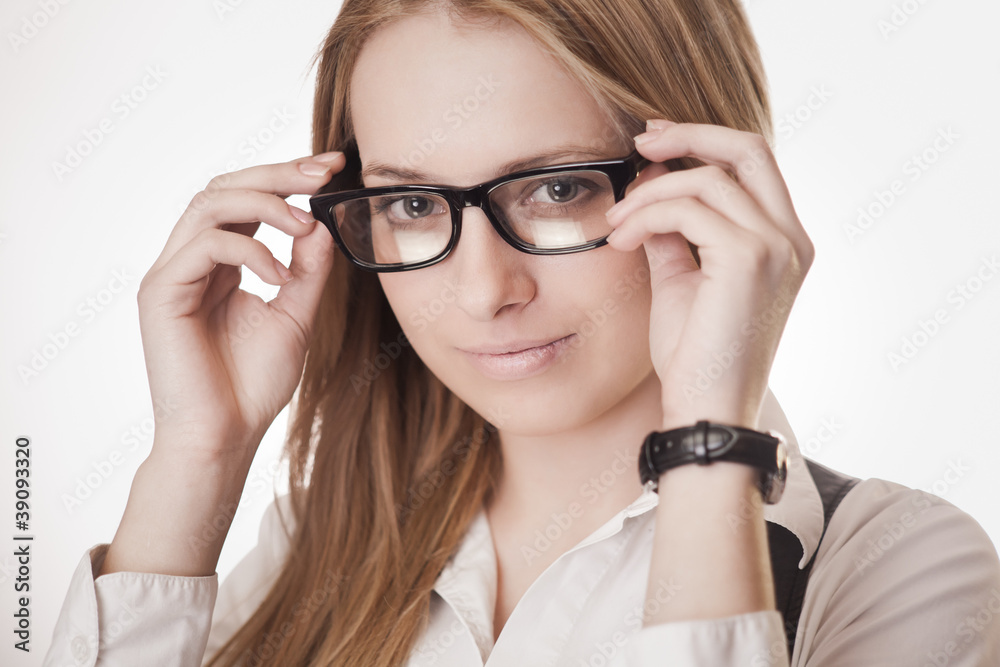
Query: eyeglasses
551	210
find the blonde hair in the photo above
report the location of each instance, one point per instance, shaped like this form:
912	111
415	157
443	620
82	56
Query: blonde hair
387	466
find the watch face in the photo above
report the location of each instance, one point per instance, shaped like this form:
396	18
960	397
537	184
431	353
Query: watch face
777	481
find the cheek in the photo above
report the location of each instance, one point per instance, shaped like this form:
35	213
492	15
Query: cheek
617	295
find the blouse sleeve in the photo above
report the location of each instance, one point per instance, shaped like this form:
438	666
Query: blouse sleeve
755	639
131	618
140	618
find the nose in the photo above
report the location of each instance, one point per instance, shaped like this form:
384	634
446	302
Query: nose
492	276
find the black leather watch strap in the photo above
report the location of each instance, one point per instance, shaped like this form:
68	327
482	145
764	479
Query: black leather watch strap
706	442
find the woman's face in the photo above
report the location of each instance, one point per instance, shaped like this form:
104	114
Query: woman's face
455	103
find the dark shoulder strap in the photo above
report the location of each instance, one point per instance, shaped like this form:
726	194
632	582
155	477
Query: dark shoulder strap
786	550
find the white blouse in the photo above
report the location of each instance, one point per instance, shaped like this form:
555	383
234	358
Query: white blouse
902	577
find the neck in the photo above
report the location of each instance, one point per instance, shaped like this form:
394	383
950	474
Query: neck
584	476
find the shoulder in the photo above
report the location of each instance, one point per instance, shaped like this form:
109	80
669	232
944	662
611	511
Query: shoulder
890	549
906	527
903	565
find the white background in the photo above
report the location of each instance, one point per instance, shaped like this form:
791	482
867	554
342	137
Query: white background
866	103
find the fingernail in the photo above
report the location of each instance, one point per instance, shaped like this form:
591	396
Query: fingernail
658	124
303	216
327	157
310	169
282	270
614	214
645	136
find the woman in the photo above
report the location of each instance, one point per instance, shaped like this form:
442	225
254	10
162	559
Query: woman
464	439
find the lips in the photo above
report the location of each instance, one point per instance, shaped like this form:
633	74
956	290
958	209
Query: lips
517	359
512	347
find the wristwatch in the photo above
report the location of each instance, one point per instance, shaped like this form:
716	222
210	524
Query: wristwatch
706	442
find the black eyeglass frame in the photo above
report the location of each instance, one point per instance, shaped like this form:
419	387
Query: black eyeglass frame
620	172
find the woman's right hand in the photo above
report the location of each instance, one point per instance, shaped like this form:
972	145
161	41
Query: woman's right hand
222	363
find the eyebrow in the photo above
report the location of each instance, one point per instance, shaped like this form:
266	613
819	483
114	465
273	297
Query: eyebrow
547	157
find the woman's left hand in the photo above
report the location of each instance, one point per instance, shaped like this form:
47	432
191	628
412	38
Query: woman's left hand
714	331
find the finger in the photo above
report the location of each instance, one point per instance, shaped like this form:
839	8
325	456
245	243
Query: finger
746	155
233	207
300	176
183	279
711	185
312	259
247	206
722	245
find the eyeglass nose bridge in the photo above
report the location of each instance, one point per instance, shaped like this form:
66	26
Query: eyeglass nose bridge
477	196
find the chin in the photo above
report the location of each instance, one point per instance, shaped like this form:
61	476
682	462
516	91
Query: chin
565	397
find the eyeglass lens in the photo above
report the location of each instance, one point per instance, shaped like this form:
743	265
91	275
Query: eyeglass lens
559	210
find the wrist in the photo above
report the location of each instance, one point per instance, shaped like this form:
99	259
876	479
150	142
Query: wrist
742	417
721	480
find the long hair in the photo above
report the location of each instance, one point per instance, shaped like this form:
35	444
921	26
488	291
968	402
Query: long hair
387	466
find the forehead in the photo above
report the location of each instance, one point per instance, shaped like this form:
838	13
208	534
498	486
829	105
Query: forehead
459	97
